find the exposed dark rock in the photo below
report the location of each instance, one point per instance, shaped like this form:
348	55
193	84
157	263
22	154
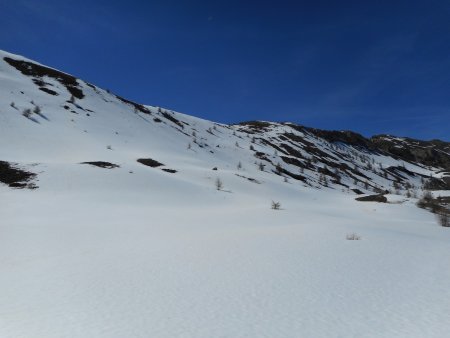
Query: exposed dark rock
48	91
149	162
15	177
102	164
348	137
433	183
372	198
172	171
259	126
38	71
137	106
430	153
172	119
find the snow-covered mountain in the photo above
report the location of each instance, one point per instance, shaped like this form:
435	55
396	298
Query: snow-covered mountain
49	116
144	222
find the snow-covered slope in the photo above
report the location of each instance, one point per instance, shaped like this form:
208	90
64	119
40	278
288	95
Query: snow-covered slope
117	248
51	117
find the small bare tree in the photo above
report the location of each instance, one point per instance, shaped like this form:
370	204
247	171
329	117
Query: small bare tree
279	169
444	218
219	183
27	113
276	205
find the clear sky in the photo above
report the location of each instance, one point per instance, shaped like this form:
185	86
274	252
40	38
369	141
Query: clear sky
368	66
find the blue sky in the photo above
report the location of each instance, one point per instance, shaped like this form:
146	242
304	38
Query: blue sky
368	66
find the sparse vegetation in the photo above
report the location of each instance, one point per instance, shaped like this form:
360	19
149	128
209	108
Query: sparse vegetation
276	205
279	169
444	218
218	183
27	113
426	200
436	206
353	237
37	110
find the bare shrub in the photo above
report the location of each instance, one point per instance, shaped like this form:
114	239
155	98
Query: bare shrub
279	168
27	113
444	218
428	202
37	110
353	237
276	205
427	196
219	183
261	166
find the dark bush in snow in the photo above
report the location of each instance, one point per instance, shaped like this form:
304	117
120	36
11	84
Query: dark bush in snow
276	205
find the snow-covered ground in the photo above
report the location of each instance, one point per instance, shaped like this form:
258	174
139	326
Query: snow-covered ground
136	263
136	251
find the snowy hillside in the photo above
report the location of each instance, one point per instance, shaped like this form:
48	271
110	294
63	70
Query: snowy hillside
48	116
125	220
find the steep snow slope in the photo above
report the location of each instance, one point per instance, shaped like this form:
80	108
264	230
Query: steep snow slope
138	251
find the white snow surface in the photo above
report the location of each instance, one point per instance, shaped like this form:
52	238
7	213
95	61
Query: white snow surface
139	252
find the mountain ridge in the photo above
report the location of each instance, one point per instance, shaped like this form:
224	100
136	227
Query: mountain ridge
318	158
